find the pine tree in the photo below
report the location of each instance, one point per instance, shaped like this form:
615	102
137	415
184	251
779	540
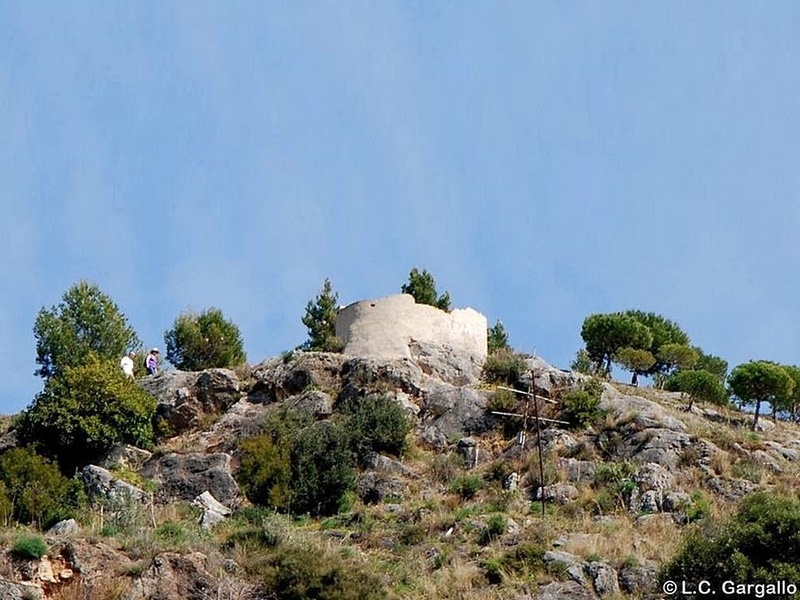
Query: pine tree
320	319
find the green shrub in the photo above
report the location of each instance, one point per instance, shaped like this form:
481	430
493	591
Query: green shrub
495	527
699	508
35	488
581	408
204	341
504	366
29	546
493	571
322	469
295	572
502	401
85	412
760	543
466	486
298	464
524	560
320	319
376	423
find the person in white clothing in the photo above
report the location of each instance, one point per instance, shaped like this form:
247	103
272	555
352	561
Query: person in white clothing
126	364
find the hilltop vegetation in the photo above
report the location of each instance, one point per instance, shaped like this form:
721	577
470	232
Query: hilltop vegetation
357	477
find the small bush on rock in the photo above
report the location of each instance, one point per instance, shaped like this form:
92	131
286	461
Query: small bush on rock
503	366
29	547
581	408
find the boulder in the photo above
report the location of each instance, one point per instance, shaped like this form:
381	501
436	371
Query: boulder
185	399
559	493
172	576
661	446
604	579
20	591
280	378
640	581
243	419
126	456
66	527
563	590
549	380
316	402
374	487
101	484
186	476
574	567
362	376
637	413
652	483
456	411
578	471
447	363
214	512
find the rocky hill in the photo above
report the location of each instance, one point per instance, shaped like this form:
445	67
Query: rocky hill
462	514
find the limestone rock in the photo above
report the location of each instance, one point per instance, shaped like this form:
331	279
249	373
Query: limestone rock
639	413
652	483
66	527
214	512
316	402
100	483
604	579
661	446
279	378
185	398
575	567
638	580
451	365
172	576
361	376
19	591
186	476
559	493
578	471
374	487
548	380
126	456
563	590
456	411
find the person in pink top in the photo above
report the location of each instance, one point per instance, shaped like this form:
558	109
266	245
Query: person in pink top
151	362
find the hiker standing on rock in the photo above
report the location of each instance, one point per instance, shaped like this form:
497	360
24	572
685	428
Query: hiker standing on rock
126	364
151	362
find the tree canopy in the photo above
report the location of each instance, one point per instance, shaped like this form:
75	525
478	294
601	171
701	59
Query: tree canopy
761	381
606	334
86	321
320	319
422	286
86	410
700	386
204	341
497	338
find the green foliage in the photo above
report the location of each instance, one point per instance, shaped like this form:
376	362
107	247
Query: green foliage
466	486
35	488
761	381
713	364
497	338
265	471
699	508
86	322
85	411
320	319
635	360
495	527
423	287
376	423
677	357
524	560
701	386
792	402
664	333
583	363
29	547
759	544
322	471
503	366
503	401
606	334
204	341
581	408
298	464
295	573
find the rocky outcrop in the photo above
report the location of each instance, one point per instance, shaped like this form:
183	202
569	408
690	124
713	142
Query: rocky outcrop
280	378
186	399
172	576
100	484
186	476
455	411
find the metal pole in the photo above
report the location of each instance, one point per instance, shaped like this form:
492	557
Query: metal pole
538	434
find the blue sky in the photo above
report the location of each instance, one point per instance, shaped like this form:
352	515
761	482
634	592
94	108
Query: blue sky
544	160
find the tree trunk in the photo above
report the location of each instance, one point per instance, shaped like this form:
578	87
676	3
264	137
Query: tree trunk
755	416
